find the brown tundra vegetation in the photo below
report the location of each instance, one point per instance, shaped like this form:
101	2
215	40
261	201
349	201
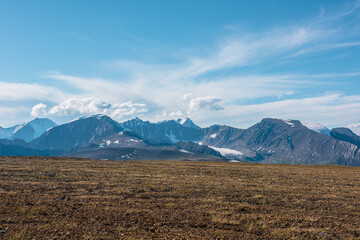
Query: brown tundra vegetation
68	198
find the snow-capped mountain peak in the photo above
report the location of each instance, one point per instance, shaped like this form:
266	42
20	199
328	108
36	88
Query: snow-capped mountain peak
317	127
186	122
32	129
28	130
41	125
97	116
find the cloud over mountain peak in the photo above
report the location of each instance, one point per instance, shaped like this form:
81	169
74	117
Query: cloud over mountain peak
88	106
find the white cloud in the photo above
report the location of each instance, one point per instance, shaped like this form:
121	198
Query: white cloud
187	96
95	87
208	102
88	106
177	114
285	94
39	110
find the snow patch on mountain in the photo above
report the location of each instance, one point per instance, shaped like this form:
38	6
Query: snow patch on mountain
182	121
213	135
288	122
184	151
172	137
133	140
227	151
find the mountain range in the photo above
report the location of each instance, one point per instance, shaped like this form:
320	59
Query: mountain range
100	137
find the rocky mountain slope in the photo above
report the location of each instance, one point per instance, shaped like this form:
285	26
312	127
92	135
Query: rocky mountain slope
77	133
279	141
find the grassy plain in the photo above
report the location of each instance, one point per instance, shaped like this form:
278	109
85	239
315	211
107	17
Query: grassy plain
67	198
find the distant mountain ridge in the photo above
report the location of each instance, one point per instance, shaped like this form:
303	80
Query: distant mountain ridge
346	135
165	132
27	131
269	141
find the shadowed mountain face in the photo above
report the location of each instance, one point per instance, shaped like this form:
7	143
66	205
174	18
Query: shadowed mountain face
17	141
77	133
25	132
346	135
13	149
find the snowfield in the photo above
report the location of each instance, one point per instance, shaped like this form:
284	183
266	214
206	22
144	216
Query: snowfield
213	135
227	151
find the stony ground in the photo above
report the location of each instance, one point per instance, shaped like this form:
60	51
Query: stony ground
66	198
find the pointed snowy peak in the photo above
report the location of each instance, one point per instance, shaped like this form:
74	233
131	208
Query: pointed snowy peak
317	127
32	129
186	122
41	125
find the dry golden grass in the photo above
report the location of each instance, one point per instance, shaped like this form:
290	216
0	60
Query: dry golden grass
65	198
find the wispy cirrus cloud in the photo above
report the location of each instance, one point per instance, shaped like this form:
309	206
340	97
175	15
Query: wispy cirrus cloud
208	102
322	33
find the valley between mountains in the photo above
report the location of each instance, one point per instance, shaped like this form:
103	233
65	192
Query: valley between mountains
100	137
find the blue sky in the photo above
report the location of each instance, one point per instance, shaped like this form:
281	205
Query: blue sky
226	62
